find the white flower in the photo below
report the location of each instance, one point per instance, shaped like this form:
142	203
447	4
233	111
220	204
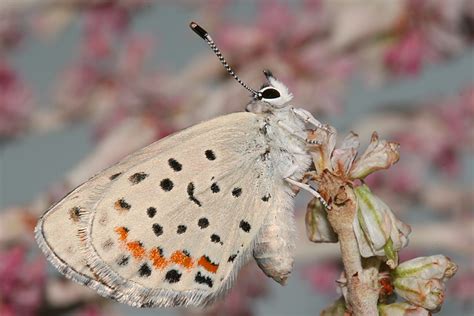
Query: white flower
341	161
380	154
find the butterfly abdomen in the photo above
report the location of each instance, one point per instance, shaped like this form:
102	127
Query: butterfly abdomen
275	241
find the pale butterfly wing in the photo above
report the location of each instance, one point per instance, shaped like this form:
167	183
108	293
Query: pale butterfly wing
56	234
171	224
57	230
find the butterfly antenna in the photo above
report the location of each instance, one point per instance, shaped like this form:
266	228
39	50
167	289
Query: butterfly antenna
205	36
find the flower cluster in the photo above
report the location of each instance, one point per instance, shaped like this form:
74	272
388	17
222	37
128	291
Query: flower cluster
378	233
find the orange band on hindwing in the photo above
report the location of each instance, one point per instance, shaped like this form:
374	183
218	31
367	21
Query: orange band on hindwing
155	255
207	264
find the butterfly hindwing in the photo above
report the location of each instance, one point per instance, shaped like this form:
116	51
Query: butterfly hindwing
57	230
56	234
172	224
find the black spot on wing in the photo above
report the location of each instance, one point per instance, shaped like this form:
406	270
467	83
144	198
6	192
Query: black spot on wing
75	213
173	276
265	155
160	250
232	258
245	226
106	245
210	154
203	222
123	260
166	184
190	191
151	212
157	229
266	197
236	192
216	238
115	176
122	205
181	229
144	270
175	165
215	188
201	279
137	177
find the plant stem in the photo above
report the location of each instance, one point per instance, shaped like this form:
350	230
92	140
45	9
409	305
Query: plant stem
361	283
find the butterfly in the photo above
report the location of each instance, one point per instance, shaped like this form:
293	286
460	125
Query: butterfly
171	224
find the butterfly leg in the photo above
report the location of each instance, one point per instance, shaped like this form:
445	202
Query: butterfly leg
309	189
307	117
298	134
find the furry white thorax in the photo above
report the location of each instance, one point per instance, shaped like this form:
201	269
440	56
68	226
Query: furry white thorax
289	146
284	130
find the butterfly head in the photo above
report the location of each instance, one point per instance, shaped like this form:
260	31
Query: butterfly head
272	95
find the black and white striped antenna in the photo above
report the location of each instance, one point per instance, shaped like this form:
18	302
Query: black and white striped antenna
205	36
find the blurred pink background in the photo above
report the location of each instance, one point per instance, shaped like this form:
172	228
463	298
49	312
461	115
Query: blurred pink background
83	83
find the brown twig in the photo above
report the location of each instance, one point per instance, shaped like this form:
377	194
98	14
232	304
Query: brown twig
362	282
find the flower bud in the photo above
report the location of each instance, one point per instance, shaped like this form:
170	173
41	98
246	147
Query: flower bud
421	280
343	156
321	153
432	267
377	230
318	228
402	309
380	154
425	293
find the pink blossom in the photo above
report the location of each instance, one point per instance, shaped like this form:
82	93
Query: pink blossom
404	178
104	24
137	49
11	31
406	56
313	4
21	282
274	18
15	102
90	310
457	114
76	86
243	41
462	286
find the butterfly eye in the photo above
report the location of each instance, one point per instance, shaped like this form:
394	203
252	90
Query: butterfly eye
270	93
